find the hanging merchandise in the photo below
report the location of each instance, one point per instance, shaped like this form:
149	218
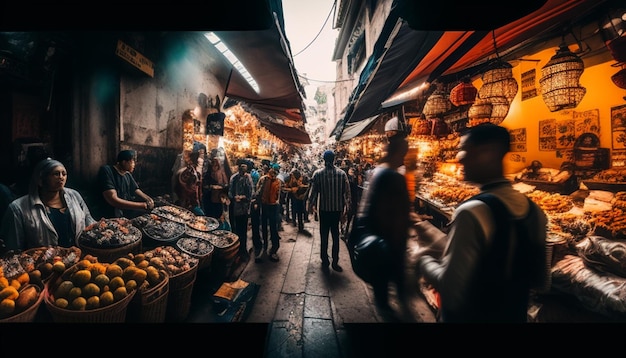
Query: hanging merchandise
437	104
463	94
559	80
498	81
619	78
499	109
479	112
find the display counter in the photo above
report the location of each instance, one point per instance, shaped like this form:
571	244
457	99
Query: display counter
441	214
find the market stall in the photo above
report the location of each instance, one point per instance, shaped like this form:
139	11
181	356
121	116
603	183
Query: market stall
140	270
585	238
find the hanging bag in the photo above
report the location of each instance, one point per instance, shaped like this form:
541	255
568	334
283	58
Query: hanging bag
370	255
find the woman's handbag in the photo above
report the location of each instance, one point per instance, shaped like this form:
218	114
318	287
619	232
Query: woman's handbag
370	255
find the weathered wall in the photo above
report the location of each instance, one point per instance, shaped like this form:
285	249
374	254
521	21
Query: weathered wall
151	111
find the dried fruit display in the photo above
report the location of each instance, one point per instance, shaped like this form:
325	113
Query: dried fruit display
203	223
159	228
170	259
195	246
223	238
113	232
174	213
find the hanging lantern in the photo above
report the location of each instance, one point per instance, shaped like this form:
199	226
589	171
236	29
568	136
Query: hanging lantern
559	80
436	105
619	78
480	109
499	81
464	93
479	112
422	127
499	109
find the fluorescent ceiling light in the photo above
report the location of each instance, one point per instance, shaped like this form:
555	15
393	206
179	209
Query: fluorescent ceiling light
221	47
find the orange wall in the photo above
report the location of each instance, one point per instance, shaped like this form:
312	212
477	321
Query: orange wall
602	94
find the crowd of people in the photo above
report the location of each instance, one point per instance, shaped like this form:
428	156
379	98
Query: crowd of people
478	256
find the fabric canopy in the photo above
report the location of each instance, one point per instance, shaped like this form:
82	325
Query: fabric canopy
355	129
287	134
266	55
412	58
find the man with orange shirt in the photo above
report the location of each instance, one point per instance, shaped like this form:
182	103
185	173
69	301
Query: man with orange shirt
268	193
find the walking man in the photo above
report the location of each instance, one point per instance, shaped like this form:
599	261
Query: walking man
240	193
330	199
268	193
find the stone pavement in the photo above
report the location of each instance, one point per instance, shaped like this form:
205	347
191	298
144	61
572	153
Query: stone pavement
310	313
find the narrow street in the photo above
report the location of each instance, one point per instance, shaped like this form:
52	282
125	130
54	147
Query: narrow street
308	313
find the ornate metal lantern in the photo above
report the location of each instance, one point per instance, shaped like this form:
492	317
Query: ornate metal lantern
463	94
499	109
436	105
559	80
479	112
498	81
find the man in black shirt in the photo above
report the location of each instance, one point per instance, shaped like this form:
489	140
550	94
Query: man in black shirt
120	191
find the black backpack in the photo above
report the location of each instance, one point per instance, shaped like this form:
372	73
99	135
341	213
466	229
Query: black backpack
510	267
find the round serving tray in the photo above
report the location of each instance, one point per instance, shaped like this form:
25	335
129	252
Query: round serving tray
165	231
223	238
174	213
203	223
96	238
195	246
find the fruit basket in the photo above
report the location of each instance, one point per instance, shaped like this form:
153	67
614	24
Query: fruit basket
25	305
91	292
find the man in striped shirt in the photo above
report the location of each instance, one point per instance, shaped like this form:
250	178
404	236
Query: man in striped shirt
330	199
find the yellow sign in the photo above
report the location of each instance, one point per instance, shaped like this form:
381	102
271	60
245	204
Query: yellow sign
135	58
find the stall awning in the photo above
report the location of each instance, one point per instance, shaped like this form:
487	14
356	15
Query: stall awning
355	129
289	135
404	59
266	55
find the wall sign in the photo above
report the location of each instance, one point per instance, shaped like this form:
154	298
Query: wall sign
135	58
529	87
618	127
518	140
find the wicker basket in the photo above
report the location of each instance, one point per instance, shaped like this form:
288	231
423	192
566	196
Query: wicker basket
113	253
183	279
150	305
29	314
114	313
179	298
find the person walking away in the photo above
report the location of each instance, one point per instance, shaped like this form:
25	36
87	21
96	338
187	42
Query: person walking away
384	211
49	215
268	193
298	207
255	209
121	193
215	188
495	253
329	199
240	191
355	196
291	187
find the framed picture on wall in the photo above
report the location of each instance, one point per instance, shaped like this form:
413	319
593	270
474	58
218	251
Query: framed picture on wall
518	140
618	127
547	134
